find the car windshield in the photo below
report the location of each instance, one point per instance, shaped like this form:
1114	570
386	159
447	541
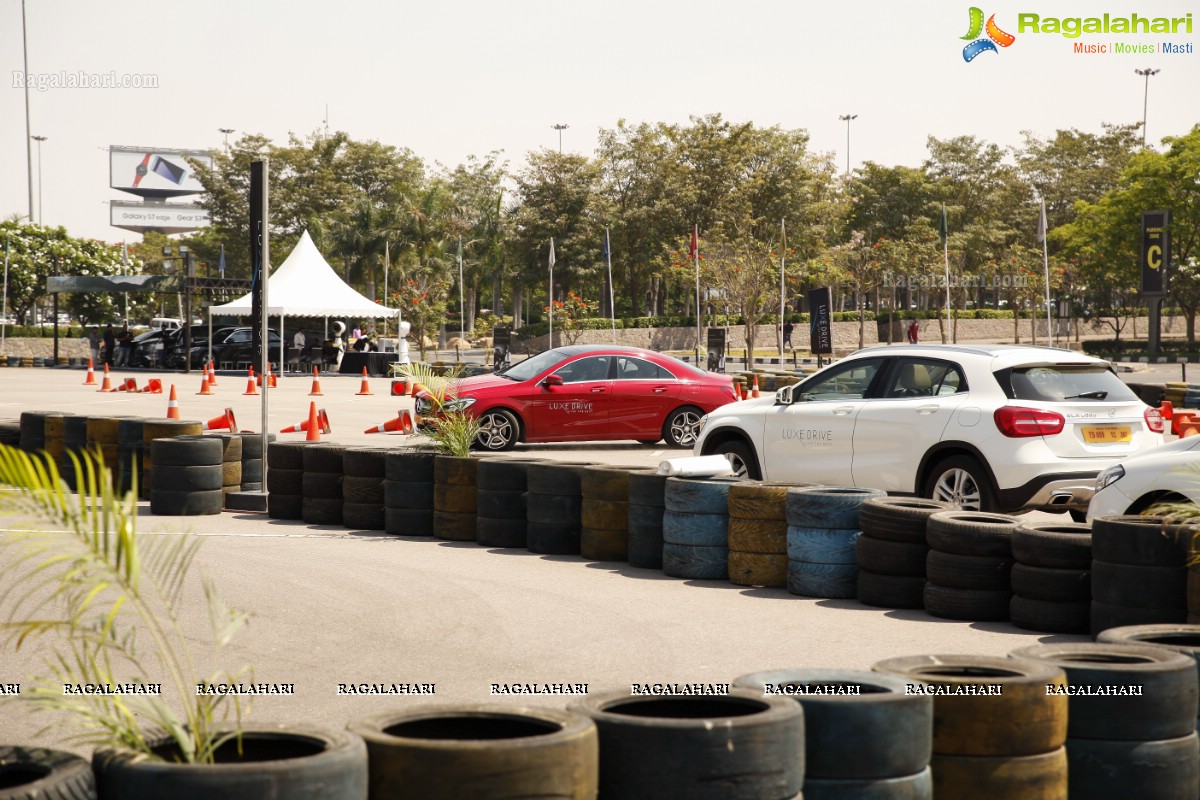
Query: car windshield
534	365
1059	382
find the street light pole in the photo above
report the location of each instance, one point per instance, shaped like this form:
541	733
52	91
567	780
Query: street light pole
560	127
39	140
226	131
846	118
28	129
1146	73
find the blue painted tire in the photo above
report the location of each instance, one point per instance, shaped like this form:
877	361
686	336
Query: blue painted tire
645	552
829	581
821	545
696	530
699	563
827	506
697	495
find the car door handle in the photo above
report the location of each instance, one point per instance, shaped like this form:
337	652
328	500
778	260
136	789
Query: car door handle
930	408
842	411
597	390
659	389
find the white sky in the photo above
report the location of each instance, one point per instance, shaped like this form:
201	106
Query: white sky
452	79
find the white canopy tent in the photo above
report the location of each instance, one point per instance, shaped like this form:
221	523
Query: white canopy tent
304	285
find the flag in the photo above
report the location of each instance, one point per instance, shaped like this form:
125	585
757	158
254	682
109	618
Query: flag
551	252
459	257
1041	234
944	229
694	249
124	253
221	263
607	253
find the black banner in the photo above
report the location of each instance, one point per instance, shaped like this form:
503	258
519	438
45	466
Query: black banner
820	303
716	350
1156	251
257	175
501	344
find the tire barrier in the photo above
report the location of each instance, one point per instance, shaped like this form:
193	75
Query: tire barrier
408	493
131	446
1161	769
10	433
55	433
252	461
36	772
189	476
999	724
823	525
696	528
1051	579
74	443
1182	638
33	431
891	551
500	501
455	488
865	733
161	428
758	534
555	507
231	462
484	752
1139	571
645	525
364	470
736	746
604	513
103	436
321	502
285	479
969	566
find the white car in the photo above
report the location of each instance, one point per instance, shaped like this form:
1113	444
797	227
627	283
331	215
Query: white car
1166	474
990	427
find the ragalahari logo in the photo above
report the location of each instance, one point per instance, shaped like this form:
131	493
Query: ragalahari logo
995	36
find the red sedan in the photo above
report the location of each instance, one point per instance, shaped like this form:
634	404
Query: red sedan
587	393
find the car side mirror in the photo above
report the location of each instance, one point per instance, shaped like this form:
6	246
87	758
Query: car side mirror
550	381
783	397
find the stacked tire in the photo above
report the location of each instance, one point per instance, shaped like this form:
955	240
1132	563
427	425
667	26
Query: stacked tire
455	485
10	433
555	508
408	493
892	550
103	435
969	566
188	474
999	725
646	488
1131	730
231	463
866	734
55	436
1183	639
696	528
1139	571
131	445
322	484
1051	577
161	428
34	773
500	501
758	531
823	526
604	513
74	443
364	472
252	461
33	431
285	480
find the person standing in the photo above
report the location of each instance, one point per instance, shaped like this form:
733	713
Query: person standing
110	345
914	332
787	335
124	347
94	343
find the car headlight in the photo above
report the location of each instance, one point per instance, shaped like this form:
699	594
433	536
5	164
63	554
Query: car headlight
458	404
424	405
700	425
1109	476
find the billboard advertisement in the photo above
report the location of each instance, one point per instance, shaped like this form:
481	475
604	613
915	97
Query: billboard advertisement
165	217
155	172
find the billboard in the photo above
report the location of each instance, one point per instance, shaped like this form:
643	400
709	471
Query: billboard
1156	251
820	304
155	172
165	217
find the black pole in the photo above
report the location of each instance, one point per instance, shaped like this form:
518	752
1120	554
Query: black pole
56	328
187	313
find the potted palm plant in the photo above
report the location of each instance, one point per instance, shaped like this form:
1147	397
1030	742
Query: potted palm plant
107	605
451	428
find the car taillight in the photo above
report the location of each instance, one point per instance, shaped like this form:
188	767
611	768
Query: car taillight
1016	422
1154	420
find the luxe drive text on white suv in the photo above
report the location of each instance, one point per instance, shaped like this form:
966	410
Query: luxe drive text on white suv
991	427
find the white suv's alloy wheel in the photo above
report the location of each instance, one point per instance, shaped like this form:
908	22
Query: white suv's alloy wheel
958	487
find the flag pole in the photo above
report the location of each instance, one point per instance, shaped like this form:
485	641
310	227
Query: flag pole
946	255
612	303
696	257
462	308
550	303
1046	268
387	259
782	284
4	308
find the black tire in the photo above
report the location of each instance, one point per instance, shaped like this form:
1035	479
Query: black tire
411	466
971	533
1180	637
1032	777
552	539
758	569
973	605
603	545
963	482
827	581
605	515
501	504
499	430
503	474
251	486
252	445
758	535
710	748
968	572
1160	698
363	516
1056	545
322	485
455	498
682	426
365	462
758	500
185	504
885	557
1106	615
1148	770
36	773
454	526
918	786
554	509
1049	617
645	521
321	457
231	473
645	552
1023	718
890	591
286	455
490	532
408	521
285	481
186	451
297	762
553	478
405	494
284	506
695	530
321	510
231	445
604	483
741	457
695	562
162	428
833	507
188	479
252	470
898	519
697	496
455	470
850	708
1141	541
485	752
822	545
1139	587
1053	585
646	487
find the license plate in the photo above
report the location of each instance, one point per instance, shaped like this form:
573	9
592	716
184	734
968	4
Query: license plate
1099	434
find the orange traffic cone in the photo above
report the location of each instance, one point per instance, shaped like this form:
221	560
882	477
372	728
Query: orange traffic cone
401	424
271	376
173	405
251	388
365	389
106	386
91	376
130	385
316	387
212	374
153	386
313	434
413	388
754	391
302	427
223	422
205	388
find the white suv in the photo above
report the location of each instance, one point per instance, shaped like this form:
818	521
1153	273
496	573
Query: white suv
990	427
